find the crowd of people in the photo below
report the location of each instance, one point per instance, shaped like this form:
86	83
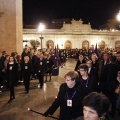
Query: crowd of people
95	74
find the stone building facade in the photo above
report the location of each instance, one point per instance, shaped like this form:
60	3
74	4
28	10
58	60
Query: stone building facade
72	36
11	27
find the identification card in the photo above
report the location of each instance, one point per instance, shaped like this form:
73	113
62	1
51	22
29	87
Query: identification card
26	67
47	61
10	67
40	63
69	103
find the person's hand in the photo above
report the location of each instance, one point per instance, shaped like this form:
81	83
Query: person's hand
45	114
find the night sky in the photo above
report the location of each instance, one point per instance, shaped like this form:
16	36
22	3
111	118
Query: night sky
97	12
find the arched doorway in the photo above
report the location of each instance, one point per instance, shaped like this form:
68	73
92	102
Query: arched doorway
101	45
85	45
117	45
50	44
68	45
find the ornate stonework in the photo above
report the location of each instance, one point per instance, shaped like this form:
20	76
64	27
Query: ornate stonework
76	33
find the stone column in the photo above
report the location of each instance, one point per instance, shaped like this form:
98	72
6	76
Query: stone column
11	37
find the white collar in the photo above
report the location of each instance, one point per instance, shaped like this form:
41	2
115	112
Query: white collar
11	62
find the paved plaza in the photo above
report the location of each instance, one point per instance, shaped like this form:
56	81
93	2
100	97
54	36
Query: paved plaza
37	99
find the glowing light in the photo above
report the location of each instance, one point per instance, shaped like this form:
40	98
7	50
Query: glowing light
118	16
41	27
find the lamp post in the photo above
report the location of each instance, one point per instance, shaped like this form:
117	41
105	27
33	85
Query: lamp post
40	29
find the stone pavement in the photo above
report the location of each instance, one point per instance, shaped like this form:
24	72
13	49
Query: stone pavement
37	99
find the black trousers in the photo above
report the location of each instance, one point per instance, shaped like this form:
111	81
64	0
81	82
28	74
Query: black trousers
41	78
12	94
27	84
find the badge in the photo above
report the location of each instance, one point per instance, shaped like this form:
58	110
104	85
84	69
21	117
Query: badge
69	103
40	63
26	67
10	67
47	61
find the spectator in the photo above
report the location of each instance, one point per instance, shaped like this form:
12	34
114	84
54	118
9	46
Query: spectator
69	98
95	107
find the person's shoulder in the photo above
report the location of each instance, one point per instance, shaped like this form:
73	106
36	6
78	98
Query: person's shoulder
63	86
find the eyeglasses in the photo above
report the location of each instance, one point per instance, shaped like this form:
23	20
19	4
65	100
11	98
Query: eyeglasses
81	70
89	63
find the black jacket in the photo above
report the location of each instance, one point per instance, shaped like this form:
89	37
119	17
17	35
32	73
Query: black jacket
68	113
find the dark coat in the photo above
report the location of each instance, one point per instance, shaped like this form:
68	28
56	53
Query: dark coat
41	65
12	74
78	64
90	84
101	66
68	113
27	70
49	63
34	62
108	80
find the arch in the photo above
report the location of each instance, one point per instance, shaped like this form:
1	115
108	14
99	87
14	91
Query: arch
68	44
101	45
117	45
50	44
85	45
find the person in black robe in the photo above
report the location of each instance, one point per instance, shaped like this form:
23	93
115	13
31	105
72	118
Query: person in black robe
50	64
41	67
109	83
89	81
80	61
27	71
69	98
12	72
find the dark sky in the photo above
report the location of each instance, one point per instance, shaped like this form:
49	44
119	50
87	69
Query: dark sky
97	12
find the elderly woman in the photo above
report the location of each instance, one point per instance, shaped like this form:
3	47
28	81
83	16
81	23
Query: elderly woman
69	98
95	107
79	62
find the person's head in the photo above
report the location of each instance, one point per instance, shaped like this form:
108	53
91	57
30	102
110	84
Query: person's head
94	57
81	57
83	69
48	55
106	56
112	59
89	63
26	50
71	78
11	59
7	57
95	106
4	53
18	58
118	56
13	54
41	56
26	59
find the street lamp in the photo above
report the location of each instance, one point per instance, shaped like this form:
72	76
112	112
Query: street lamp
118	16
40	29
